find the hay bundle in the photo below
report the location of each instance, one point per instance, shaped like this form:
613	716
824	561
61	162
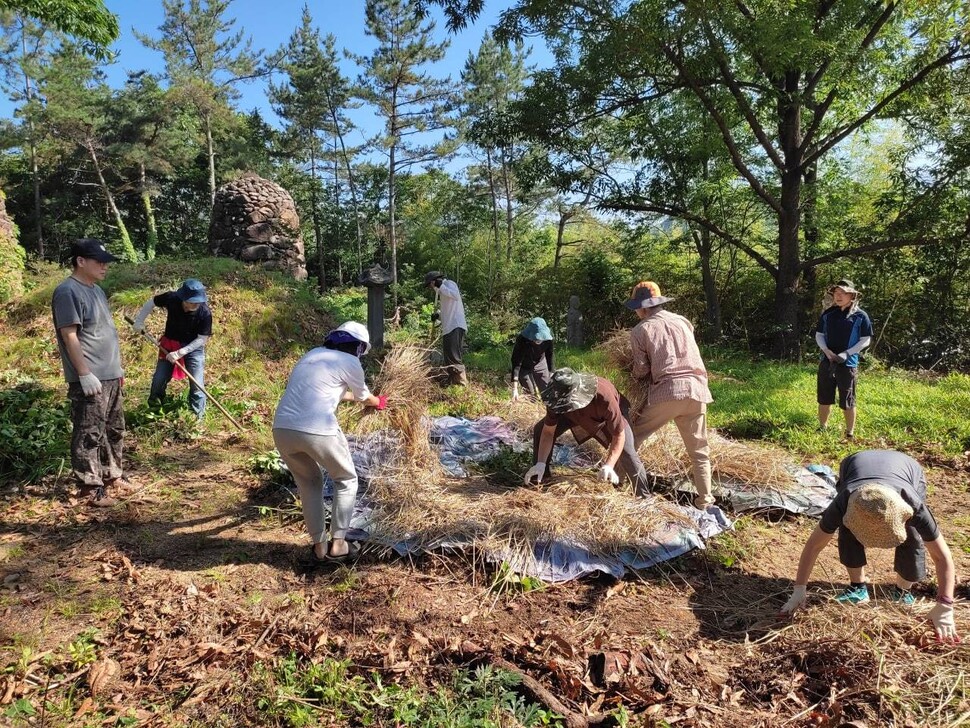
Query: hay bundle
619	354
522	415
405	378
742	465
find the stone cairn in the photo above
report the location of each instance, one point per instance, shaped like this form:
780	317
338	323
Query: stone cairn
255	220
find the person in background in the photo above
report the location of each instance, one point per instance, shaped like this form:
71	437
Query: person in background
188	327
310	441
881	503
843	331
453	325
666	357
532	358
91	357
590	407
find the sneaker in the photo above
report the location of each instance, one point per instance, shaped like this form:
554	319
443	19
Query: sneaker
900	596
120	486
96	497
849	437
854	595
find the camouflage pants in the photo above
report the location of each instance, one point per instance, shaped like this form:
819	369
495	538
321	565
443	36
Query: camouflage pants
99	432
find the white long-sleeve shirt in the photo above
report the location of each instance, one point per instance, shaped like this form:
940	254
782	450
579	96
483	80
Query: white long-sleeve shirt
452	309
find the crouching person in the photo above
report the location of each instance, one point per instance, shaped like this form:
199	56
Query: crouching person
309	438
590	407
881	503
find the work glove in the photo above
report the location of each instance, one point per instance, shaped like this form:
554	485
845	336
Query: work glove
942	618
174	356
381	401
841	358
798	597
90	385
608	474
435	317
515	392
537	471
138	325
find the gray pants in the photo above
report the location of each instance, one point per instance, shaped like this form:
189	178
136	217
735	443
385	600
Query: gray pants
628	466
305	455
97	440
451	349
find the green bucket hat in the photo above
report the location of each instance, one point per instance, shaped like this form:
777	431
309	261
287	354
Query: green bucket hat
569	390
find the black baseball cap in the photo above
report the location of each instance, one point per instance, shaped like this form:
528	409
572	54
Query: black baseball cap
92	248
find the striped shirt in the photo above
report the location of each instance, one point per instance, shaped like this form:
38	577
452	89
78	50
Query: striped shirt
665	353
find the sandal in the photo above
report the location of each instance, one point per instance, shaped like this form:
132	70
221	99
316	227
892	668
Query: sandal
353	551
314	557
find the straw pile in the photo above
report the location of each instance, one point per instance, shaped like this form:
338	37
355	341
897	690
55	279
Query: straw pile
740	465
618	352
493	518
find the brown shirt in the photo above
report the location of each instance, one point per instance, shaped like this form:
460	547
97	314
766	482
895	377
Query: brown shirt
602	418
665	353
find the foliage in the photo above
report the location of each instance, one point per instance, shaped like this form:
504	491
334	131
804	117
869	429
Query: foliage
86	20
34	428
12	258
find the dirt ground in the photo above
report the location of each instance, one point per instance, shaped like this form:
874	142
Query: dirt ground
198	577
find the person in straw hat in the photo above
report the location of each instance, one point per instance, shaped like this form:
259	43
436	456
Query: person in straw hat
881	503
843	331
590	407
309	439
453	325
666	356
532	358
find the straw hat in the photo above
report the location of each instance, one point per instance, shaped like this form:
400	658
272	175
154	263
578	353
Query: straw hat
646	294
877	516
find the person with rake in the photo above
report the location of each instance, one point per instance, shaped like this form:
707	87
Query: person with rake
91	357
310	441
532	358
843	331
188	327
590	407
451	316
666	358
881	503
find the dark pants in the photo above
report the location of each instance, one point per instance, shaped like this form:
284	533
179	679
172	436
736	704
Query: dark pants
194	363
629	465
909	560
832	376
99	432
451	348
534	380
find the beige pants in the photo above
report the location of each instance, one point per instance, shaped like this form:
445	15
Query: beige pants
690	416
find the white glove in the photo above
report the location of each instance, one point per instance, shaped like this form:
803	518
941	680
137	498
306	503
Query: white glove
90	385
138	325
798	597
174	356
537	471
515	392
843	357
608	474
942	618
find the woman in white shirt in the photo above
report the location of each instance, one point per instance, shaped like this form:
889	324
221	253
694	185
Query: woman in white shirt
309	438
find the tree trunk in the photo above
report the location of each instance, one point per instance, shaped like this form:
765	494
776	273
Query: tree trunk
315	216
392	233
810	224
712	329
151	244
564	217
494	246
353	191
127	249
509	232
789	219
32	149
211	154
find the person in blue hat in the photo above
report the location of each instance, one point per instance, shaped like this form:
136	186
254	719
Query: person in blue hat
532	358
187	329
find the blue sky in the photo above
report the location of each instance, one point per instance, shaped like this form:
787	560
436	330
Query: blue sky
270	24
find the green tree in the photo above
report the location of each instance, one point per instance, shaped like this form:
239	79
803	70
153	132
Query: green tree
783	83
88	21
205	60
413	104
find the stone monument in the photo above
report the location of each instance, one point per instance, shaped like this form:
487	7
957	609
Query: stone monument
255	220
574	323
376	279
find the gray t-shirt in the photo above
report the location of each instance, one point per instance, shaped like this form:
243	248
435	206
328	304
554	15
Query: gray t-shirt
76	304
892	469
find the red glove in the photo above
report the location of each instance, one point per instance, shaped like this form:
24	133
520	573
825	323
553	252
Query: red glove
381	401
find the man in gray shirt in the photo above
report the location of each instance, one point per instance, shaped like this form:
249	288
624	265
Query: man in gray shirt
88	343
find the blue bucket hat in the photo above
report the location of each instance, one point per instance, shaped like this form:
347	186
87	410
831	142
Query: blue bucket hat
192	291
537	330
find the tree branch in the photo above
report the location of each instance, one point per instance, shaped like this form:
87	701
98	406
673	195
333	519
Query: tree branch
871	248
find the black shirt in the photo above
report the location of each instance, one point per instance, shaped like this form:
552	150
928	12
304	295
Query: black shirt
532	356
181	325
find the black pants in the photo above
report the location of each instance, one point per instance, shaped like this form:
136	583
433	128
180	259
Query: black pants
451	348
99	431
628	466
909	561
534	380
832	376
